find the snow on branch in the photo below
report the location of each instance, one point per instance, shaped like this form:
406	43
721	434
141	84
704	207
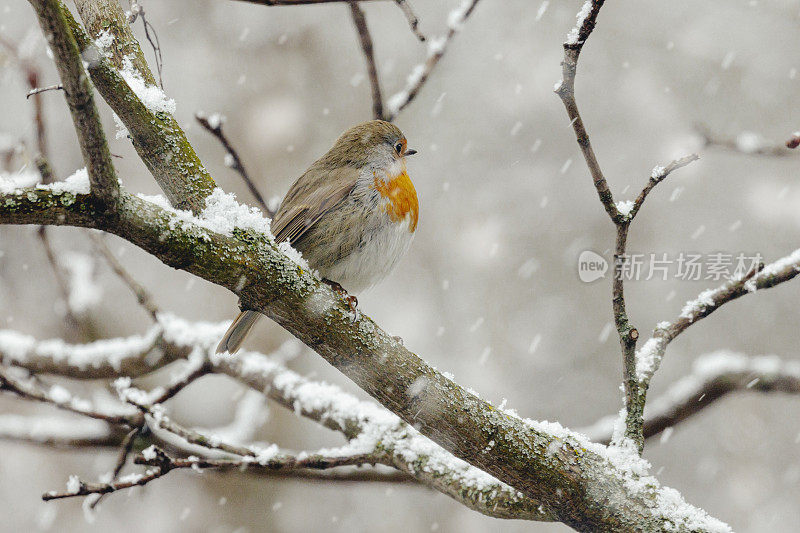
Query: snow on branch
436	49
713	376
119	72
29	388
648	357
58	431
79	95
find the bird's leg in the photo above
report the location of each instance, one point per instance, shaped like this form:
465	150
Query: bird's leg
351	300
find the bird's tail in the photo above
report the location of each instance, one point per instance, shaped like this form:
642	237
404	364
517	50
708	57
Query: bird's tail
238	331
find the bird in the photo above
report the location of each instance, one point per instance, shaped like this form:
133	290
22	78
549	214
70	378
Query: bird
352	215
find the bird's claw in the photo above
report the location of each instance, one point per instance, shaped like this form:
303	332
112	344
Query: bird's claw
352	301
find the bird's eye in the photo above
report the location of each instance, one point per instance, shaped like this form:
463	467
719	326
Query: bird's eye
399	148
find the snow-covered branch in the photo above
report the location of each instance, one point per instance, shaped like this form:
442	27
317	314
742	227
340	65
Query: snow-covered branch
713	376
29	388
436	49
120	74
58	431
79	95
649	356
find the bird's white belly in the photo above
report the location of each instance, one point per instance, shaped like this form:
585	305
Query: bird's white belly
381	247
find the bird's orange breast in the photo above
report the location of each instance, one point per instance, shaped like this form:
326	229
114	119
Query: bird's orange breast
401	196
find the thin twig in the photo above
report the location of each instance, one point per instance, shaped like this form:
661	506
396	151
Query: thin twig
436	50
163	464
137	11
413	21
658	175
192	373
214	126
747	142
39	90
122	458
30	390
144	298
366	46
280	461
83	325
565	89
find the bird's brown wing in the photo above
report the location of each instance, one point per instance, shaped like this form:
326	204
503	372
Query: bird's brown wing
309	200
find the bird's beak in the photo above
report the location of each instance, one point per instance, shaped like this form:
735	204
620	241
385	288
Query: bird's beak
410	152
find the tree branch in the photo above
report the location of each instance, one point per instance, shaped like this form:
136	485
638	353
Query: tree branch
140	104
265	279
713	376
60	432
144	298
565	89
61	398
747	142
436	50
365	39
78	93
213	125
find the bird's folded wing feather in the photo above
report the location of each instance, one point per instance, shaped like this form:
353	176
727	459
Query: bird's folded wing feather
308	201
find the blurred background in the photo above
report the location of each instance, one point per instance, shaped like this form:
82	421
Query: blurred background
490	290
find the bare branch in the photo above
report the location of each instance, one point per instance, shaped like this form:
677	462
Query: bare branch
58	431
649	357
85	489
365	39
436	50
213	125
413	21
164	464
125	449
78	93
194	370
565	89
747	142
104	359
137	11
39	90
80	324
144	298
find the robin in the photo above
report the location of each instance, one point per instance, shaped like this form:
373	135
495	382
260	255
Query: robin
352	215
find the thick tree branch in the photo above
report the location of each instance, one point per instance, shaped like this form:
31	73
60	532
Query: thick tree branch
529	457
140	104
78	93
